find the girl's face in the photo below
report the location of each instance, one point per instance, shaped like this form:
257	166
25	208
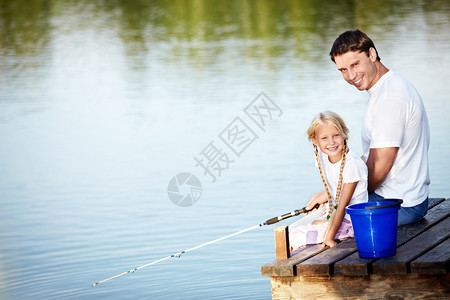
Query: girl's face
330	141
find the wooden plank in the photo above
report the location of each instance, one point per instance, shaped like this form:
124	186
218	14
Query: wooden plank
399	264
353	265
432	202
282	250
286	267
435	261
410	286
323	263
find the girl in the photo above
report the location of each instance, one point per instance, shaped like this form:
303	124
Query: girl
344	176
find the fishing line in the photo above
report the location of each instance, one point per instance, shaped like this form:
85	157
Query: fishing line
268	222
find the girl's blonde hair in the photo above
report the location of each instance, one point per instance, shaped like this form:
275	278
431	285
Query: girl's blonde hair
327	117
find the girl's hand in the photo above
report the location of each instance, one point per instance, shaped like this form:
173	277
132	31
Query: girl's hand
319	198
330	243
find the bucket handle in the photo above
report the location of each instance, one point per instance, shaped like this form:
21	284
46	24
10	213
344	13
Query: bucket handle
396	203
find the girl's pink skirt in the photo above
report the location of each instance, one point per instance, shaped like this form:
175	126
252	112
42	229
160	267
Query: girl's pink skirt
314	233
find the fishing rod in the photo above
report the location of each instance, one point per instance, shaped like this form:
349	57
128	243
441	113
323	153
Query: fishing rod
268	222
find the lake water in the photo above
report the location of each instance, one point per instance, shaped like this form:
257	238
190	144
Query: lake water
102	103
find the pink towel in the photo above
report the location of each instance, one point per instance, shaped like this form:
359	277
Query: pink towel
314	233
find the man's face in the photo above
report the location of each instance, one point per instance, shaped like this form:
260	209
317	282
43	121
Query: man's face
358	69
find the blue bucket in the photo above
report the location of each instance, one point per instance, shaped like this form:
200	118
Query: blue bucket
375	227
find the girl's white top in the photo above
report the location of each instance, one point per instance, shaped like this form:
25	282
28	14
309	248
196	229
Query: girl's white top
355	170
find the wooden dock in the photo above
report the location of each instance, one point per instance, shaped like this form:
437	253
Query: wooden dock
418	270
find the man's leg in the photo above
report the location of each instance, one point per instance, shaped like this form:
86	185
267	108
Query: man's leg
406	215
375	197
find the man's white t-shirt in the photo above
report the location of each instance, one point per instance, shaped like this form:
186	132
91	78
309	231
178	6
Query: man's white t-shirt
396	117
355	170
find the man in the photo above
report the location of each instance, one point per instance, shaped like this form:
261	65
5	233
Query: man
395	134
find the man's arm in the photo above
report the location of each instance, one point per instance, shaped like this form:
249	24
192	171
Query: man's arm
379	164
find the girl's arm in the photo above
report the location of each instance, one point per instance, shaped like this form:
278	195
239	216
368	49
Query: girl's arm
346	195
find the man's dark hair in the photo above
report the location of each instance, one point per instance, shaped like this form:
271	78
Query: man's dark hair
352	40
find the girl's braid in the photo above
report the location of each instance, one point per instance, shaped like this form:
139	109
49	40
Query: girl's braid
339	187
341	172
316	152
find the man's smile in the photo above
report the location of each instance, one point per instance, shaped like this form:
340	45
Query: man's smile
358	82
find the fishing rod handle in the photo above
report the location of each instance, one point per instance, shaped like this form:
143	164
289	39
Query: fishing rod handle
291	214
282	217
